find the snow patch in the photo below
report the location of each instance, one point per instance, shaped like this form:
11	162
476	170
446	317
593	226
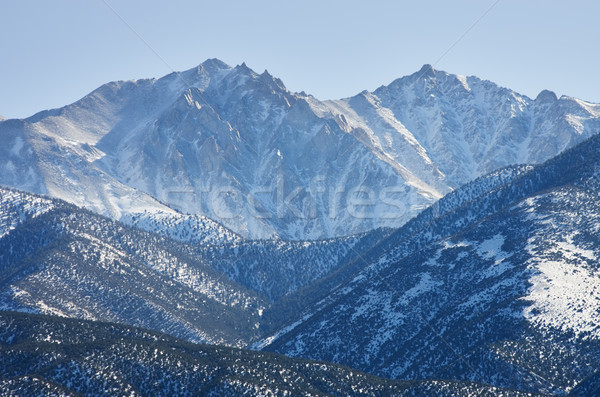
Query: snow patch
491	249
463	81
565	291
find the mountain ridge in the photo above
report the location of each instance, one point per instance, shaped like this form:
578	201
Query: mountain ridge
494	281
187	279
45	355
238	147
476	292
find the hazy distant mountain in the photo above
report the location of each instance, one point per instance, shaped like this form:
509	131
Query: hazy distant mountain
497	285
239	148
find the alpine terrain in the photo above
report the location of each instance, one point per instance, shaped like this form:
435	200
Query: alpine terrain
212	233
56	258
239	148
503	289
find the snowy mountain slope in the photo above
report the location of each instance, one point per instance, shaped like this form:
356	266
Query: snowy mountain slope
192	140
239	148
469	127
276	268
16	207
252	155
502	290
416	234
45	355
213	287
36	161
74	263
190	229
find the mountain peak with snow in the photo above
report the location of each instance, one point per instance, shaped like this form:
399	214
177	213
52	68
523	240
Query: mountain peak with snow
240	148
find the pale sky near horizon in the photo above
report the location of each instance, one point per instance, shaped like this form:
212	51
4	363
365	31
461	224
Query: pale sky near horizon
54	52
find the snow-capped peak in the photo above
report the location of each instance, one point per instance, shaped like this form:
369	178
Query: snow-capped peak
239	148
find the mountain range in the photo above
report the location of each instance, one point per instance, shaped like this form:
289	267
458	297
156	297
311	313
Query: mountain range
495	284
503	289
59	259
239	148
439	235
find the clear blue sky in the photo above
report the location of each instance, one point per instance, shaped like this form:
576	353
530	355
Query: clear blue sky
54	52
